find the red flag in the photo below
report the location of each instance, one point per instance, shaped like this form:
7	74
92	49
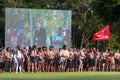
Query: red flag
103	34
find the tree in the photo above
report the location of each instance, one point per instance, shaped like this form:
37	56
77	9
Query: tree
2	19
109	12
88	16
81	12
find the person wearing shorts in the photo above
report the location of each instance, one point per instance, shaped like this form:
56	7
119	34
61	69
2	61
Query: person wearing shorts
34	59
19	60
117	60
82	57
69	66
7	59
40	60
1	61
56	62
51	55
91	61
64	54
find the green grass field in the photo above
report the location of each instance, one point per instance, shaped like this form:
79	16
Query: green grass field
61	76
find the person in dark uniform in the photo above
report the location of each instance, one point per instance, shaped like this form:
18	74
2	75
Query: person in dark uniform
40	34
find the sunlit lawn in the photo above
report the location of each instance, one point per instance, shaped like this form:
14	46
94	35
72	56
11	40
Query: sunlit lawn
61	76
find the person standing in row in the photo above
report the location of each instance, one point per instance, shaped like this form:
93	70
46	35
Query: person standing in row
82	57
51	55
34	59
40	60
19	60
1	61
7	60
91	61
64	54
70	61
117	60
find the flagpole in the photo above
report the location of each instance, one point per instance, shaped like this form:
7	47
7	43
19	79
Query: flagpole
31	29
109	44
98	44
109	37
103	34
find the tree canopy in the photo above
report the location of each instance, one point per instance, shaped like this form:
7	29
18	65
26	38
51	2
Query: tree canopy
88	16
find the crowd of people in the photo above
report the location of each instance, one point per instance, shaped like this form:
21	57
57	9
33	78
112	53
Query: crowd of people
41	59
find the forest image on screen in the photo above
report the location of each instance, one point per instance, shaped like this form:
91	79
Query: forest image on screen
42	27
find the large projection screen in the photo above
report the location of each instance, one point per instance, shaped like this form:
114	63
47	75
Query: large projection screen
42	27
